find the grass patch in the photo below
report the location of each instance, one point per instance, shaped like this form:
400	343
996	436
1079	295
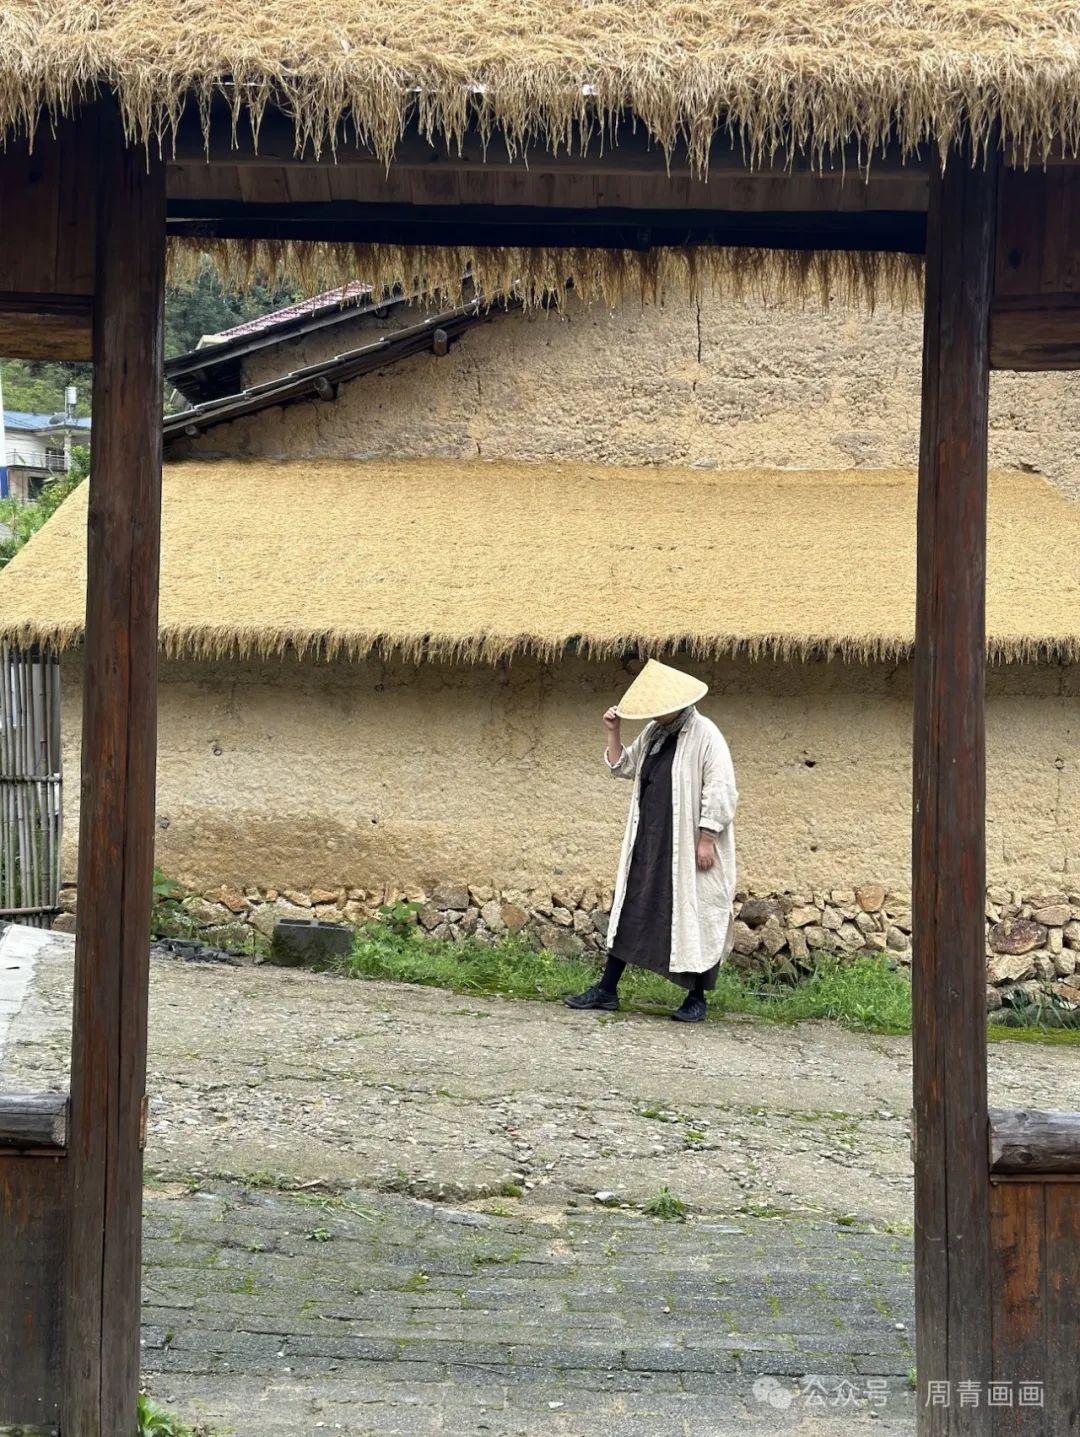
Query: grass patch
864	993
666	1206
155	1421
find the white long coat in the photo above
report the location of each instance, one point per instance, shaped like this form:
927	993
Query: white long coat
703	796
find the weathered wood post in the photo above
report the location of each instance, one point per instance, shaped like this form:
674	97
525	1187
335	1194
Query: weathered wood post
952	1210
104	1249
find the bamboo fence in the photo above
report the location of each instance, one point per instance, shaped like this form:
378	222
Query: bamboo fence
31	809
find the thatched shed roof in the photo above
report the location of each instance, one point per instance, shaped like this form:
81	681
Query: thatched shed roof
784	72
479	561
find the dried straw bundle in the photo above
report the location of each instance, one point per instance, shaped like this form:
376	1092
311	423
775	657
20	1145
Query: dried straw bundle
478	562
532	275
786	76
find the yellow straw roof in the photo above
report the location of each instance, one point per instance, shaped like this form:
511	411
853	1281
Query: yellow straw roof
787	74
479	561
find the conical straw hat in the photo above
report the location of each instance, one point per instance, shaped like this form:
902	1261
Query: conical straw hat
660	690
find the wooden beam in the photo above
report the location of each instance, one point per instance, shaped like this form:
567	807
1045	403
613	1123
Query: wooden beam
32	1120
631	151
1034	1143
103	1276
952	1214
45	326
442	181
340	222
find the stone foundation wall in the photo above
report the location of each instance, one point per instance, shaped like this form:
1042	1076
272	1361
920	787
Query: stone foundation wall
1031	939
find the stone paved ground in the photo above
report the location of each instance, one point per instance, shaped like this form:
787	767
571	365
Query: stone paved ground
790	1147
297	1314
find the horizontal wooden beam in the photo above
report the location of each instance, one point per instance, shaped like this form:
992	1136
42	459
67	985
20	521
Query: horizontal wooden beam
1035	332
33	1120
46	326
447	183
1031	1142
539	226
630	151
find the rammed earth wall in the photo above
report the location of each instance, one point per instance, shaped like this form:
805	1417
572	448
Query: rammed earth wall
341	783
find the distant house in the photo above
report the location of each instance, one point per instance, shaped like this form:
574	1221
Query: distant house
38	447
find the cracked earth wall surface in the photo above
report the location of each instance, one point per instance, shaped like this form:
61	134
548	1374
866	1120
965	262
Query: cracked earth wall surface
300	775
268	1075
730	383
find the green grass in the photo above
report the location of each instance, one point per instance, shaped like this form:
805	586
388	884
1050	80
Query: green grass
666	1206
155	1421
866	994
863	993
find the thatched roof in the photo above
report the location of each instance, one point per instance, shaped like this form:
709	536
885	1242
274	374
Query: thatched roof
786	74
479	561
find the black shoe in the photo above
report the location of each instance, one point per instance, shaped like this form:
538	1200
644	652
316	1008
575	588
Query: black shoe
594	997
692	1010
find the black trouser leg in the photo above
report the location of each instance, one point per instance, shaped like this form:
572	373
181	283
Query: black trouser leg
609	979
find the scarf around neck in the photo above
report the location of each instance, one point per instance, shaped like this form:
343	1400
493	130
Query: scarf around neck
665	731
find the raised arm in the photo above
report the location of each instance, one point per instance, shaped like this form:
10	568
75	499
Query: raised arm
622	762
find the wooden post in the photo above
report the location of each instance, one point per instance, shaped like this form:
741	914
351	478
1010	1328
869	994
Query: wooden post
104	1251
952	1197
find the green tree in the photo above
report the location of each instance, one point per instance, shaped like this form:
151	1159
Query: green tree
24	520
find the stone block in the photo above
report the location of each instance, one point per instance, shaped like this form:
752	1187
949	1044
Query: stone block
1017	935
1071	933
831	919
327	896
897	940
871	897
514	916
569	898
203	913
817	937
64	923
564	917
1065	963
297	897
802	915
797	944
1054	915
1009	967
491	914
744	939
454	897
772	936
429	917
601	920
582	922
755	912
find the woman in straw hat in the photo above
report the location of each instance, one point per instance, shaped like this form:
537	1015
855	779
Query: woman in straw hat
675	891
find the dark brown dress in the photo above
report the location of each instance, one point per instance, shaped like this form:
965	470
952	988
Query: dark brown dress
643	937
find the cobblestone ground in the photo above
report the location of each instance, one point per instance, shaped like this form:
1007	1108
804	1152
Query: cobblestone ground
380	1298
281	1313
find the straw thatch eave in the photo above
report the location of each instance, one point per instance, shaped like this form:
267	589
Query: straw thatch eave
786	76
475	562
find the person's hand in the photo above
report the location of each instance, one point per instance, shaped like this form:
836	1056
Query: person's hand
706	852
612	721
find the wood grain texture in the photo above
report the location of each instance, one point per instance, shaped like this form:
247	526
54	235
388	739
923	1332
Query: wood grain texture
1026	1140
952	1230
1061	1288
101	1322
32	1120
46	196
1035	318
32	1194
1018	1226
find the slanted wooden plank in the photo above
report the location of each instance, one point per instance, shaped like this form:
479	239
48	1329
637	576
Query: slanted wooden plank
32	1194
108	1074
1026	1140
32	1120
952	1227
1018	1226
